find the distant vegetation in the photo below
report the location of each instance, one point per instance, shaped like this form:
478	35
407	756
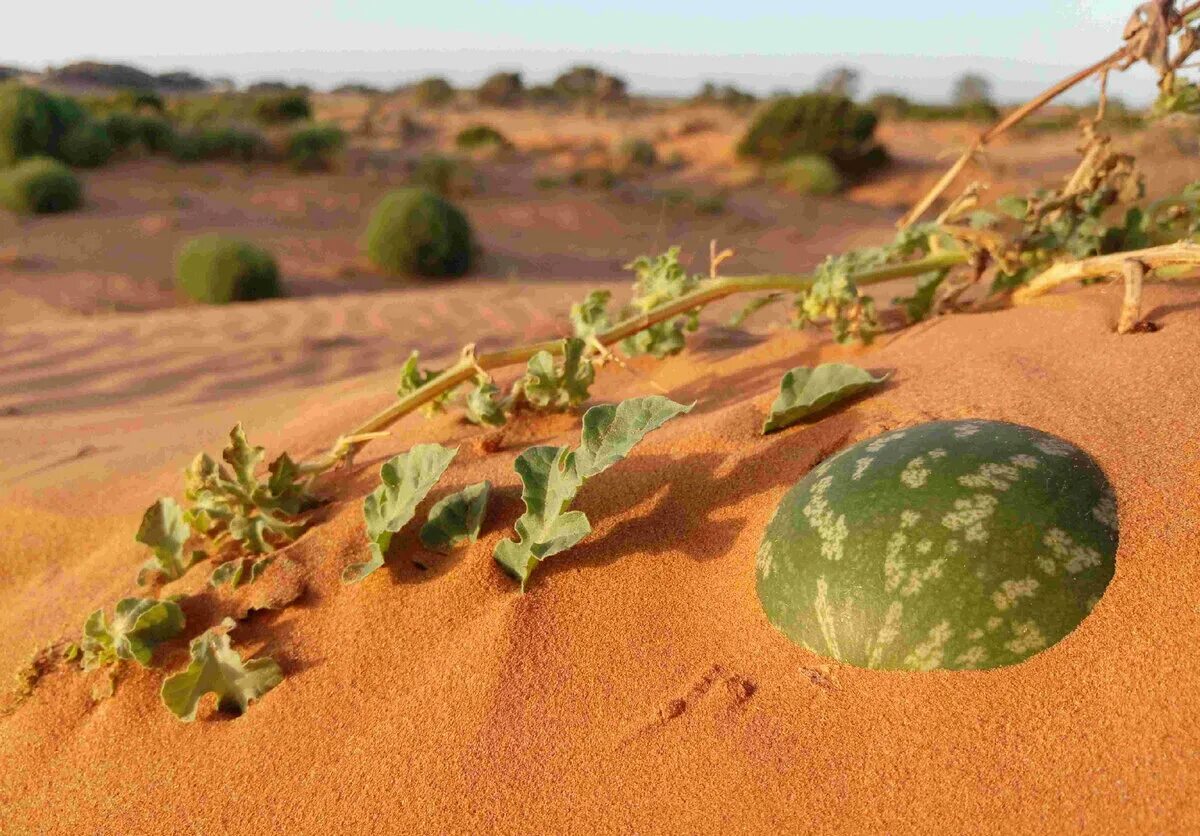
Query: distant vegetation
480	136
313	147
433	92
637	153
725	95
820	124
285	107
416	232
807	174
39	185
446	175
502	90
216	269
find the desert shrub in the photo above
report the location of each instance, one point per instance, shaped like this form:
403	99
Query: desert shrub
415	232
501	90
808	174
68	115
27	123
86	145
448	176
216	269
725	95
711	204
433	92
286	107
637	153
313	147
217	142
590	83
480	136
593	177
815	123
39	185
547	181
122	128
136	100
156	134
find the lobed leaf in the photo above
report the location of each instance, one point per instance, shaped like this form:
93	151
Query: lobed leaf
484	406
558	385
804	392
457	518
412	378
551	476
659	280
216	668
166	532
233	573
138	626
407	479
590	316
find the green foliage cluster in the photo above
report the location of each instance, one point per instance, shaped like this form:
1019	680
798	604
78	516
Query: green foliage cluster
552	476
313	147
501	90
433	92
448	176
39	185
282	108
894	106
589	84
725	95
637	153
139	625
209	141
416	232
658	280
218	269
593	177
476	137
807	174
816	123
87	145
34	123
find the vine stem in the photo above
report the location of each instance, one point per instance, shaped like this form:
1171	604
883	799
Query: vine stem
712	290
1017	116
1104	266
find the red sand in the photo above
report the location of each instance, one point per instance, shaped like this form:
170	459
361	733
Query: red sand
637	686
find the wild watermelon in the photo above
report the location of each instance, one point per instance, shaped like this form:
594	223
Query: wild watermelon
954	544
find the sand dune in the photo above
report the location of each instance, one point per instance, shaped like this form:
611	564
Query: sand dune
637	685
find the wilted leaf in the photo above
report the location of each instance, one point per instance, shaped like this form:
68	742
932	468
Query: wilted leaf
216	668
804	392
457	518
165	531
407	479
551	476
918	306
138	626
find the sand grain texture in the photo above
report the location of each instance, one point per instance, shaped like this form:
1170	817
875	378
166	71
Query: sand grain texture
637	686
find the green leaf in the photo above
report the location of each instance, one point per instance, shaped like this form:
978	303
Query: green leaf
138	626
918	306
659	280
229	573
166	532
216	668
549	482
1013	206
412	378
484	406
804	392
457	518
551	476
558	385
591	315
407	479
231	503
610	432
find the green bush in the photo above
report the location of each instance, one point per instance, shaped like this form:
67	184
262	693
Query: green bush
808	174
122	128
815	123
637	153
287	107
216	269
313	147
27	123
156	134
448	176
433	92
593	177
501	90
480	136
39	185
217	143
86	145
415	232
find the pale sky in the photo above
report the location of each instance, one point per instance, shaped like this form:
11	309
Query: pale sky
664	46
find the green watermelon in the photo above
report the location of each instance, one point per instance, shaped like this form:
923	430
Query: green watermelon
954	544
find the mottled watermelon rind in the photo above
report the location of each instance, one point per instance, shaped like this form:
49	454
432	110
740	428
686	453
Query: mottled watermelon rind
951	545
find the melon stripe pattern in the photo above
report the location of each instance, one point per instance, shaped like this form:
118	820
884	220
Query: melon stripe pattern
955	544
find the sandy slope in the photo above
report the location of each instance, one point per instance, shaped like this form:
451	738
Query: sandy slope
636	686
